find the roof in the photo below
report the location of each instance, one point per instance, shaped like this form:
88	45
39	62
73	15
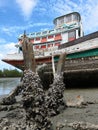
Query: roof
67	15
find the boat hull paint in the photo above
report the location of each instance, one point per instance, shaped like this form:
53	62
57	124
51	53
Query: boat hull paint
74	56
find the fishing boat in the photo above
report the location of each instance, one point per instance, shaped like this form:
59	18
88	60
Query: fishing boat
67	36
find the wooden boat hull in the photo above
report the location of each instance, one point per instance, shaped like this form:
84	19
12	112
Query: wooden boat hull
78	55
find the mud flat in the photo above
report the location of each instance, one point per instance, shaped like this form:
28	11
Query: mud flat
83	108
87	113
29	107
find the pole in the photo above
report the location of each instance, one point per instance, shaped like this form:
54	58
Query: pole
28	54
61	63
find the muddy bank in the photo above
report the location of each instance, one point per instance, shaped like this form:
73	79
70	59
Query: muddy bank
87	113
29	107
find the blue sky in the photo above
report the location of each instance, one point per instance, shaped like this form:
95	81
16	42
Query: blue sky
37	15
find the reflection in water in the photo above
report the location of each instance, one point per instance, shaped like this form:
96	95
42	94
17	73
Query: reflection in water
8	84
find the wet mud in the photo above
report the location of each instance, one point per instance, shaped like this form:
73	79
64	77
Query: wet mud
87	113
57	109
34	107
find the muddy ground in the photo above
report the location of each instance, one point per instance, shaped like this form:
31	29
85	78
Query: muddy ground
86	113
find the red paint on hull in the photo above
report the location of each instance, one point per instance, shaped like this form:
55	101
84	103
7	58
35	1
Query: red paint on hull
20	63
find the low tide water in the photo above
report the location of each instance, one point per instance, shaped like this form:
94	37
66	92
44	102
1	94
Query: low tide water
7	85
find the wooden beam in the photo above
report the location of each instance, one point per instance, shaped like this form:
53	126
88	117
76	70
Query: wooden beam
61	63
28	54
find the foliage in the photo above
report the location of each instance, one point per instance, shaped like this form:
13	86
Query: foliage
10	73
1	73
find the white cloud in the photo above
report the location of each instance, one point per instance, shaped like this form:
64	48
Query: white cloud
88	10
90	16
10	48
6	30
6	49
12	30
27	6
1	55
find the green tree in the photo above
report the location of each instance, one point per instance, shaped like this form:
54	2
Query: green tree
10	73
1	73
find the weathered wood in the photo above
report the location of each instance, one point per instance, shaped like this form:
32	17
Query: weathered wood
61	63
28	54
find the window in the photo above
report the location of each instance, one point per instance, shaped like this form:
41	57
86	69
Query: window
61	20
71	35
38	38
51	36
32	40
36	47
69	18
44	39
57	44
51	31
79	32
75	17
32	34
57	37
38	33
50	45
45	32
55	22
43	46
